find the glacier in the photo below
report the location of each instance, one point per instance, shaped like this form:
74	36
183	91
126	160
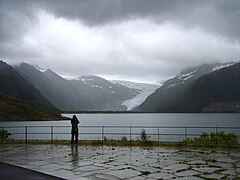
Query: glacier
146	90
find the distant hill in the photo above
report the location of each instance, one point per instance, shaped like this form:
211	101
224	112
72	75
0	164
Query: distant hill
57	90
215	88
86	93
104	94
12	108
13	84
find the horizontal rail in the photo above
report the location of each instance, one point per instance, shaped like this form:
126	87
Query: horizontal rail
189	127
99	132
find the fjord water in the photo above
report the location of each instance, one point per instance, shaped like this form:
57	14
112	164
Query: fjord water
142	119
168	123
160	119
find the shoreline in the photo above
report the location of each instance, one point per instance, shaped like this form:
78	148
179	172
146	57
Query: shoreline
62	119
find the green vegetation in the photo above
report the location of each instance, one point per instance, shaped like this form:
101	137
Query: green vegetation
113	143
219	139
94	143
4	135
124	139
212	140
143	136
144	139
144	173
12	108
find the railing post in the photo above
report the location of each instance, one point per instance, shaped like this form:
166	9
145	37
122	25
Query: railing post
185	135
158	135
216	137
130	133
51	134
102	133
2	134
26	131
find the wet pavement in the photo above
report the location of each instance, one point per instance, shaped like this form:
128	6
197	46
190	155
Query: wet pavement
104	162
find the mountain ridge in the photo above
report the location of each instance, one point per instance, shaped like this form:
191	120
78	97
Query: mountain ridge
110	95
192	95
87	93
13	84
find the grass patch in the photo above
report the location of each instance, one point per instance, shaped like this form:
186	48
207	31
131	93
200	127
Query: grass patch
144	173
94	143
218	139
111	143
4	135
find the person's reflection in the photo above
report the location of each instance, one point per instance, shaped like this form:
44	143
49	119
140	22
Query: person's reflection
74	154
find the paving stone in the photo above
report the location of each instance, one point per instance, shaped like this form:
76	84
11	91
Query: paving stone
189	178
84	163
197	162
85	174
123	162
106	177
138	178
121	167
235	154
229	172
52	167
178	157
238	170
88	168
124	174
187	173
228	160
102	165
237	163
206	170
63	174
115	164
233	177
221	164
164	163
176	167
149	161
147	169
213	176
38	163
161	175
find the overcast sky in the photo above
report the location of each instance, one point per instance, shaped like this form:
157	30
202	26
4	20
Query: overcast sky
140	40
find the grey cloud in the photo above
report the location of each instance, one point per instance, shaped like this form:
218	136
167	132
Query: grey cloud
16	18
219	18
216	16
96	12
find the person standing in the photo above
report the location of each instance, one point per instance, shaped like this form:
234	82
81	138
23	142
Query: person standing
74	132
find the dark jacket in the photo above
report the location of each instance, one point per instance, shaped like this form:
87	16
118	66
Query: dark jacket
74	122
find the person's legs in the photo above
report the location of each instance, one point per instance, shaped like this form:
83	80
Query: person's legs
76	137
72	138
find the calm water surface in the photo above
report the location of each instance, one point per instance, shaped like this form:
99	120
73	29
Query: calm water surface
148	119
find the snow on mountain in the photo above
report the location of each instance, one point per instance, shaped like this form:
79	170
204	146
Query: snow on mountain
105	95
38	68
217	67
194	73
145	91
184	77
203	91
84	78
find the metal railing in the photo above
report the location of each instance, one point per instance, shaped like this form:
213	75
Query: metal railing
131	133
